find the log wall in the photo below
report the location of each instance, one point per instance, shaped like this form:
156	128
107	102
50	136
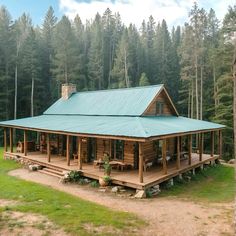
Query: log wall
167	109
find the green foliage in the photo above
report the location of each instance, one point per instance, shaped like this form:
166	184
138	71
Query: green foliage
193	61
214	184
54	205
94	184
74	176
143	81
107	179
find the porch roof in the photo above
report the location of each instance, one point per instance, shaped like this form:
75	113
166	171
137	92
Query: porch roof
122	126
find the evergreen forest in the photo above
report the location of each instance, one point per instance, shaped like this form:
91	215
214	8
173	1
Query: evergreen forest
194	61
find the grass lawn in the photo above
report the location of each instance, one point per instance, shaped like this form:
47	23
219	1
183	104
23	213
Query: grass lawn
36	198
215	184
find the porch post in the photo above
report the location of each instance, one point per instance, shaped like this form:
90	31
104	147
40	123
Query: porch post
58	144
5	139
220	143
190	149
164	156
140	163
25	143
11	140
79	153
178	153
48	148
200	147
212	144
68	149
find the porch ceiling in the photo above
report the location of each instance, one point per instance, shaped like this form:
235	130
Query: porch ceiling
122	126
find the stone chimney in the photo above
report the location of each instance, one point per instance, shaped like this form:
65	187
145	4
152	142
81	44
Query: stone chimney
67	90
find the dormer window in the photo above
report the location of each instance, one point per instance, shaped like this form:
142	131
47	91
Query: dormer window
159	108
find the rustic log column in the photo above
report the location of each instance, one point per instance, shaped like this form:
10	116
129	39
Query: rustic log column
212	144
58	144
48	148
68	149
140	163
178	154
190	149
200	146
220	144
25	143
164	156
11	140
79	153
5	139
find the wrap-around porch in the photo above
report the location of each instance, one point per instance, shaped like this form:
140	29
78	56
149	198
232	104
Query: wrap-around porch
146	163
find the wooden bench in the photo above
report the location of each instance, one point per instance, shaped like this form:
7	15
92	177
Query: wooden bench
119	165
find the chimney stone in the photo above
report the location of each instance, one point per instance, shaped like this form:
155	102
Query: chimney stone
67	90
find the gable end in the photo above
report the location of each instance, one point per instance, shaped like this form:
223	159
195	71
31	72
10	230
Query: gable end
165	101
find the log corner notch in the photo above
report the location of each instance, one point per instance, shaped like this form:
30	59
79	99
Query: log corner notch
178	153
190	149
140	163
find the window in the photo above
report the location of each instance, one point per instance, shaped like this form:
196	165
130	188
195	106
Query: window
119	149
159	108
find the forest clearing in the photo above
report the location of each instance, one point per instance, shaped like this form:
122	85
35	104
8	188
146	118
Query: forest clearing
119	121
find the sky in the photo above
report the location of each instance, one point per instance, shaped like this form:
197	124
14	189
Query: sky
175	12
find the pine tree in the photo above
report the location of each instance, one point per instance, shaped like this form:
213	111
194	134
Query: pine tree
95	64
66	57
143	81
47	53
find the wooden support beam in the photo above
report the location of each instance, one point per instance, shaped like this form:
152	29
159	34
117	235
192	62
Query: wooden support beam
5	139
140	163
164	156
190	149
68	149
201	136
25	143
212	144
178	153
48	148
79	153
220	144
58	144
11	140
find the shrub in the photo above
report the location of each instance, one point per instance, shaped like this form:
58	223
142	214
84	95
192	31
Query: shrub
94	184
74	176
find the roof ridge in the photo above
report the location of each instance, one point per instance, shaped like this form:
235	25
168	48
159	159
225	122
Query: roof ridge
118	89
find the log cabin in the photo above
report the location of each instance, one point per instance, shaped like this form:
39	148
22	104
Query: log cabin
139	129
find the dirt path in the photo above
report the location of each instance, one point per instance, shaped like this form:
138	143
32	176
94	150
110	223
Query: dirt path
166	216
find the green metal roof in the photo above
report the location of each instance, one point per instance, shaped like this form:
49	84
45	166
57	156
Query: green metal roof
134	127
113	102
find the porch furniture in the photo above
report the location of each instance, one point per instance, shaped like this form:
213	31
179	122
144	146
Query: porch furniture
30	146
119	165
98	163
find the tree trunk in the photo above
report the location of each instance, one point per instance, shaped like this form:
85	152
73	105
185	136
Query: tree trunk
214	81
192	99
196	88
201	92
234	102
126	70
32	97
16	90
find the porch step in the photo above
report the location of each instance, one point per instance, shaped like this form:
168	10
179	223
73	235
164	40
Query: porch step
52	172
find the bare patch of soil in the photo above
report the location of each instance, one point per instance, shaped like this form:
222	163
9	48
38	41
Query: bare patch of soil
25	224
166	216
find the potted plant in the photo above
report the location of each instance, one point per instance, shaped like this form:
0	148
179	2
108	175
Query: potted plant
105	180
107	166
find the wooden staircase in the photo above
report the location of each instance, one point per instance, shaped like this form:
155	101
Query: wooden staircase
56	172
